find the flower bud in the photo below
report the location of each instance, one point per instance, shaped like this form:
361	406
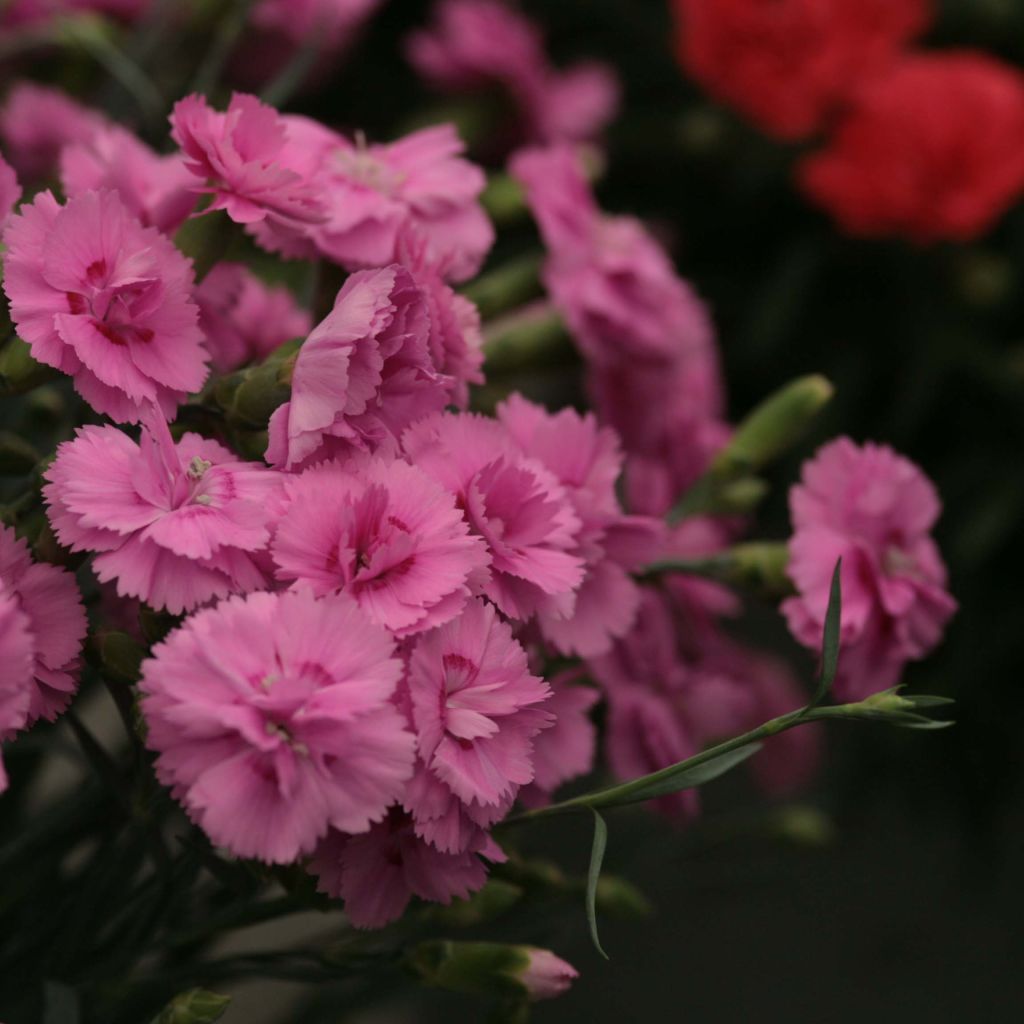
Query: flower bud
19	372
546	975
197	1006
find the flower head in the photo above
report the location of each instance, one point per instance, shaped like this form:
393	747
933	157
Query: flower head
272	719
386	534
174	524
98	296
17	654
875	510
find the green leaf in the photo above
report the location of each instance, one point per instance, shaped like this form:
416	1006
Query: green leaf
830	637
594	876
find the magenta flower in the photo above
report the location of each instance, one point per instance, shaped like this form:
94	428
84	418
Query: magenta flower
48	596
514	503
17	655
249	165
586	461
474	44
100	297
547	976
36	122
174	524
386	534
377	873
243	319
875	510
362	376
474	706
332	22
157	190
272	719
373	193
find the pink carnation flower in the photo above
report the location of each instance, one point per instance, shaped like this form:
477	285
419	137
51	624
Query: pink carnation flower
475	706
586	461
373	193
473	44
272	719
10	192
249	165
174	524
36	122
875	510
377	873
333	22
385	533
17	655
514	503
100	297
49	598
243	319
155	189
362	376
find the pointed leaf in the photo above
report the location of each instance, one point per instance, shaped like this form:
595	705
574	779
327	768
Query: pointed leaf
830	637
593	876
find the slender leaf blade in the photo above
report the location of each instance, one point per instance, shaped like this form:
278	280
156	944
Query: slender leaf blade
830	637
594	876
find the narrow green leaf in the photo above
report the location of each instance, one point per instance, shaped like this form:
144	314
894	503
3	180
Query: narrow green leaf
594	876
830	637
927	701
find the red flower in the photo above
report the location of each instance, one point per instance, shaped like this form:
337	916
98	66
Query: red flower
929	150
787	64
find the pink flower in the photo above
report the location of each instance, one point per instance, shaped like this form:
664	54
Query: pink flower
17	655
373	193
362	376
244	319
249	165
10	192
386	534
875	510
547	976
514	503
333	22
272	719
37	122
155	189
377	873
586	461
174	524
48	596
474	44
100	297
474	706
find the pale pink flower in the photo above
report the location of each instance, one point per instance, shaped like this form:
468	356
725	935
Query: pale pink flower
475	706
175	524
362	376
386	534
473	44
587	461
246	161
373	193
10	192
242	318
17	654
272	719
874	509
377	873
49	598
331	22
36	122
98	296
157	190
513	502
546	976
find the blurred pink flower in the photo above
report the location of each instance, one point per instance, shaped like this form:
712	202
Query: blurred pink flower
386	534
10	192
36	122
547	976
242	318
272	719
875	510
158	190
175	524
49	598
514	503
331	22
17	654
377	873
26	12
362	376
475	706
100	297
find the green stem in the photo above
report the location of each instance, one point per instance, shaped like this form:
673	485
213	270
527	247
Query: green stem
507	286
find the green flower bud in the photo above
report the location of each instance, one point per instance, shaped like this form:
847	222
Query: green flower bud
197	1006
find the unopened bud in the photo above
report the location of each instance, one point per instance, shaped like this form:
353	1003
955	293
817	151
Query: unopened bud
19	372
197	1006
120	654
